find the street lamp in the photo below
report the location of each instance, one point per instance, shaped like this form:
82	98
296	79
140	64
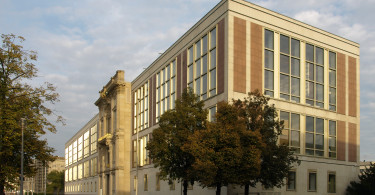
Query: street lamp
21	182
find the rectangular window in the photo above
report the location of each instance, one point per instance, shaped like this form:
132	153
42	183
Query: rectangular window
75	151
291	180
331	182
312	181
86	144
289	68
66	156
74	173
290	135
314	76
143	153
80	171
86	169
268	63
172	185
202	70
157	182
141	106
94	166
80	148
94	138
212	112
134	164
145	182
314	136
332	139
332	81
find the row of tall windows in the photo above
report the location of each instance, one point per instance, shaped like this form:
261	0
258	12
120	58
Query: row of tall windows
202	65
141	108
172	184
82	187
82	170
290	71
140	152
315	132
80	148
166	89
312	181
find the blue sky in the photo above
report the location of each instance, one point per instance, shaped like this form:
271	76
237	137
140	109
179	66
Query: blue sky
82	43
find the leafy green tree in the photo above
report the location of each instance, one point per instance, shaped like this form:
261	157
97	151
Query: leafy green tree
21	100
219	149
55	182
175	126
276	160
366	184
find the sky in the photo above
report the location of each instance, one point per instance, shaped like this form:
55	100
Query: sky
81	44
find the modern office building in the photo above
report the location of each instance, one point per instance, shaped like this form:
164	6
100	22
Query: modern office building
311	75
81	160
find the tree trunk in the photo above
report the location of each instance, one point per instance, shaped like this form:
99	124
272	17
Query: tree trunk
247	189
2	189
218	189
185	184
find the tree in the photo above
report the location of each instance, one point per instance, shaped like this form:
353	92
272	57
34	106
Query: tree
175	126
20	100
366	184
55	182
276	160
219	149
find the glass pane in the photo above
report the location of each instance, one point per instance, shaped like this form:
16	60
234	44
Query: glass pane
332	78
332	128
268	39
319	55
168	75
319	153
285	97
168	88
268	79
190	55
319	74
319	92
198	68
319	104
319	128
204	64
284	116
174	67
284	84
312	181
331	183
173	88
309	71
204	83
198	49
213	38
332	154
284	137
332	60
284	44
309	90
295	138
295	67
309	140
296	99
291	180
198	86
295	48
268	59
319	143
204	44
213	59
309	53
332	95
213	79
212	92
269	93
295	121
190	73
309	152
295	86
332	144
309	123
284	64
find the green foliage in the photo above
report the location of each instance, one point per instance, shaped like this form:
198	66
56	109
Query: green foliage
366	184
55	182
276	160
20	100
221	150
175	126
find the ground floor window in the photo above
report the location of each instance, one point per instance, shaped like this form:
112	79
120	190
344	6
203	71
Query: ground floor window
331	182
312	181
291	180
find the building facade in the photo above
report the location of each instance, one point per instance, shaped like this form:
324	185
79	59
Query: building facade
312	77
114	106
81	160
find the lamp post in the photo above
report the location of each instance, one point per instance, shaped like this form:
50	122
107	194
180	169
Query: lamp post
21	182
